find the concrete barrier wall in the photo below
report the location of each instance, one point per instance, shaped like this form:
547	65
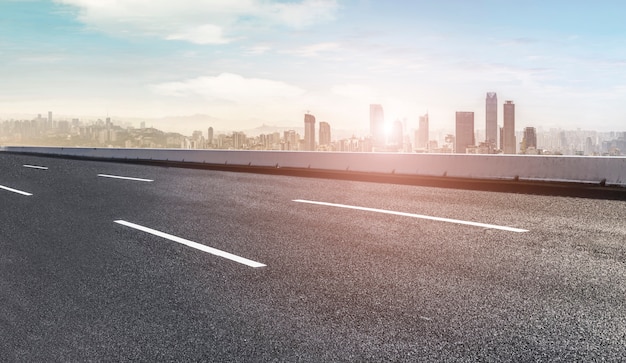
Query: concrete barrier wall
525	167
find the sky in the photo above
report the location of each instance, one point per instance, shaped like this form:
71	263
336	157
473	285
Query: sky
245	63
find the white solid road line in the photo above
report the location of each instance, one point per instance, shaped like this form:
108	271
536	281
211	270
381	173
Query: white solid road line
124	177
457	221
15	190
35	167
192	244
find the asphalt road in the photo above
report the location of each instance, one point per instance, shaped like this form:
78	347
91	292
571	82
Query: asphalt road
80	282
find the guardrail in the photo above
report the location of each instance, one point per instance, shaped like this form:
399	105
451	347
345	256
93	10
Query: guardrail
600	171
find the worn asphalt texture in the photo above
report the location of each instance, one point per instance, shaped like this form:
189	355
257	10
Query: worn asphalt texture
340	285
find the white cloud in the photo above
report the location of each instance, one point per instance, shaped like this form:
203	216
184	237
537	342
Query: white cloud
204	34
258	49
314	50
305	13
232	88
355	91
234	98
200	22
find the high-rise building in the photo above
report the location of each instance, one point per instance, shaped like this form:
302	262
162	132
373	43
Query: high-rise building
239	140
377	125
491	119
589	146
210	136
530	139
291	140
309	132
324	133
422	133
464	131
509	146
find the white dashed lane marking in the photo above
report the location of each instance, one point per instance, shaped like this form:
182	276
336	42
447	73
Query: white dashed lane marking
439	219
15	190
124	177
192	244
35	167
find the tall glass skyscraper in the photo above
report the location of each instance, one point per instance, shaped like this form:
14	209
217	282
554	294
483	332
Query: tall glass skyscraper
464	131
530	139
509	146
422	133
324	133
309	132
491	119
377	125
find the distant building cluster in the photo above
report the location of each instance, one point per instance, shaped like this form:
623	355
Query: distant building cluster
287	140
465	137
42	131
387	136
384	136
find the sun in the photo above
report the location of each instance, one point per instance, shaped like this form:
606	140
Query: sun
388	128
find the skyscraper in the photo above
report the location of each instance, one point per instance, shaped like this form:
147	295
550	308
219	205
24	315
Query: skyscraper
464	131
377	125
210	136
309	132
509	146
290	140
491	118
422	133
324	133
239	140
530	139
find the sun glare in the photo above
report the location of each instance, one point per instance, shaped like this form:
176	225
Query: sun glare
388	128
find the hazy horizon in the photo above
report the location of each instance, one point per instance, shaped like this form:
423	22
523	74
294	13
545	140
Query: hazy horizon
248	62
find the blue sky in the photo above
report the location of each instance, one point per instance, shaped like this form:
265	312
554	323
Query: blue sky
249	62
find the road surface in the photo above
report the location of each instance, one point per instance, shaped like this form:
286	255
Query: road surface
103	261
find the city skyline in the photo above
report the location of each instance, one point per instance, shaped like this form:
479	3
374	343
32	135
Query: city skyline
60	132
245	63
